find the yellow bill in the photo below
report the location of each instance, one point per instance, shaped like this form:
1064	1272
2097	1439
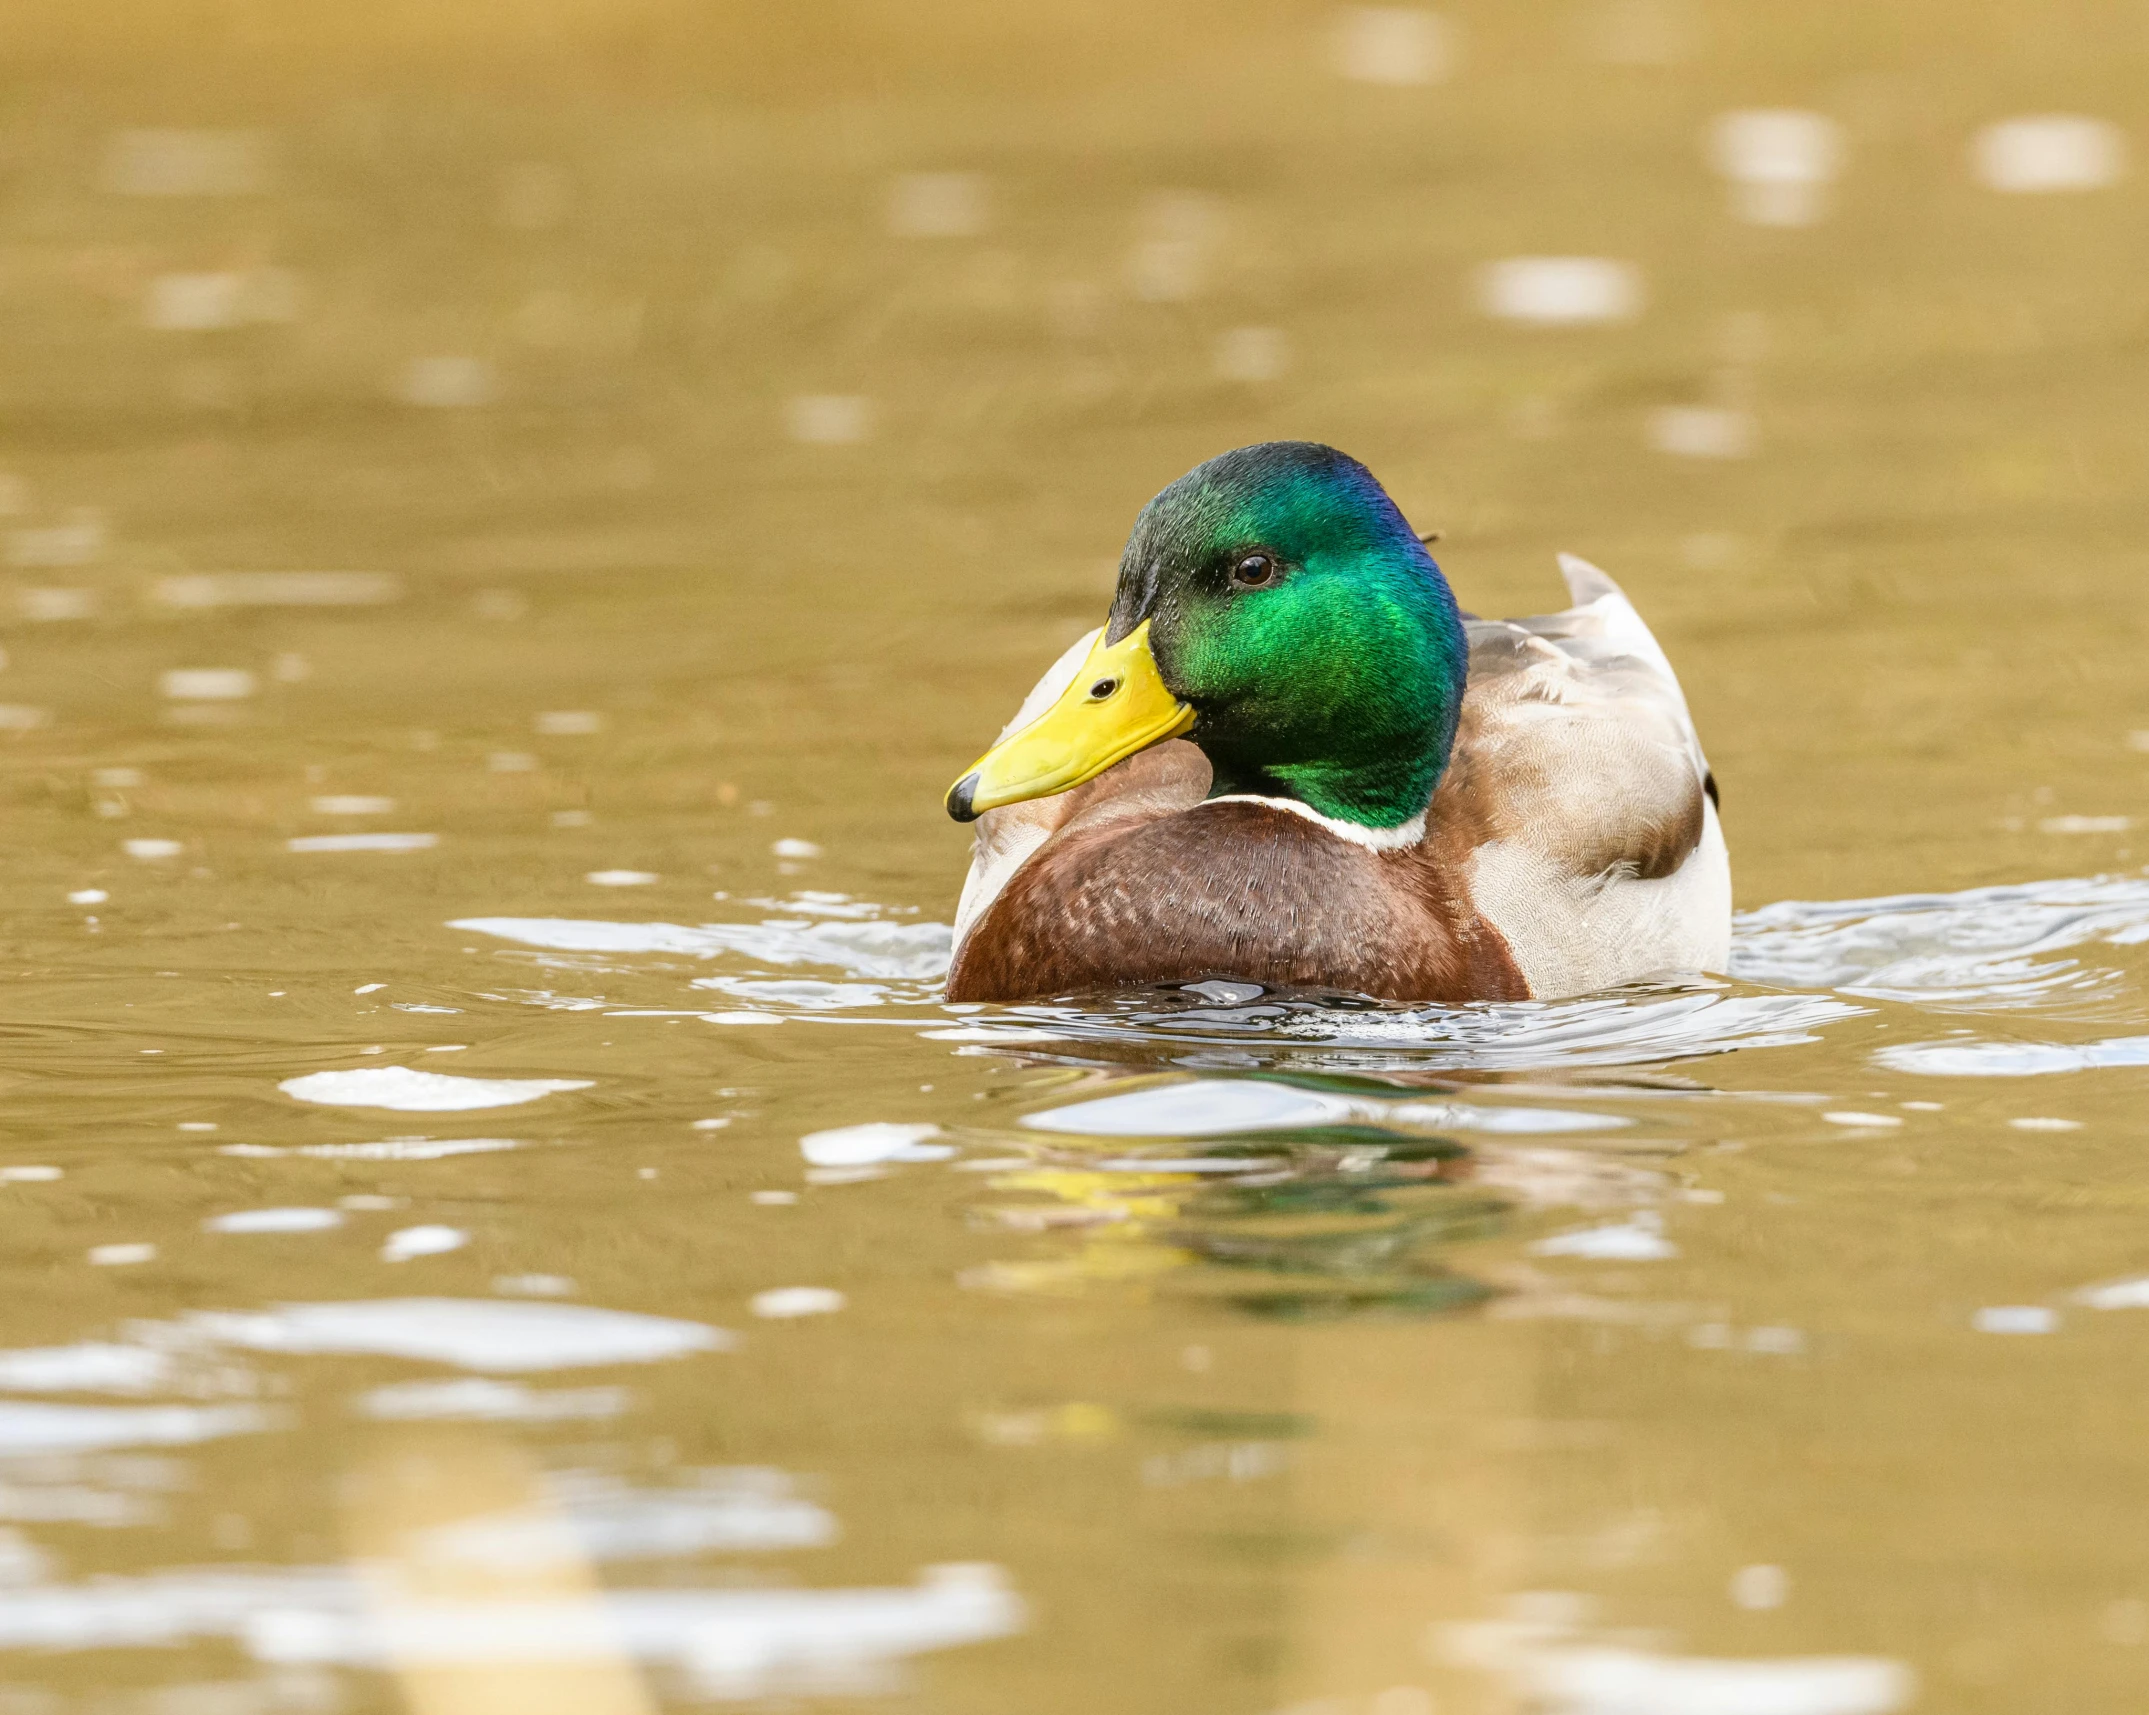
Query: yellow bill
1116	706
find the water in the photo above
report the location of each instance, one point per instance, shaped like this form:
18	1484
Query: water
512	521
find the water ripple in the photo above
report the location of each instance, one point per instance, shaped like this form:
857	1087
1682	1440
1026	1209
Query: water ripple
1983	948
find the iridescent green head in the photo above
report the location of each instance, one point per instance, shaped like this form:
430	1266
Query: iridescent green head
1274	607
1294	610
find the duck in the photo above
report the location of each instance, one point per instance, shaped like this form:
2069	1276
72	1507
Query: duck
1289	759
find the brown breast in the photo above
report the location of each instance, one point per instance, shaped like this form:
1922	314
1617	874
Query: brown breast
1238	890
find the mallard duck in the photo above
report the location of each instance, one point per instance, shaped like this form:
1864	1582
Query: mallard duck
1287	758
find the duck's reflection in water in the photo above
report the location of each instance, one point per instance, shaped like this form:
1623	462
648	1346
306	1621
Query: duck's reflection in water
470	1633
478	1593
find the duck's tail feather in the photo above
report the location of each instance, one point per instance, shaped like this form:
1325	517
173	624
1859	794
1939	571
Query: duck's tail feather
1585	582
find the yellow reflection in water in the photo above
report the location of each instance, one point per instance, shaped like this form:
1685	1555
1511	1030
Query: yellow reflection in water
400	1508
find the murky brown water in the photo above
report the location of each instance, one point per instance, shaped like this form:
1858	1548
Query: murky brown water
703	487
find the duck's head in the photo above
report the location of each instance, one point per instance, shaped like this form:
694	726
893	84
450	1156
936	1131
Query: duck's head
1274	607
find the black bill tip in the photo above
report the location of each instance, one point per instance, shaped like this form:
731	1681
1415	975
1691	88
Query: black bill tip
959	796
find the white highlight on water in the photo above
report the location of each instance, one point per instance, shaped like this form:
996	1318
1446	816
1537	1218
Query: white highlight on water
408	1090
871	1144
471	1333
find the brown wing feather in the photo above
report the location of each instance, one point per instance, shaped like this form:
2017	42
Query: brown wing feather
1575	742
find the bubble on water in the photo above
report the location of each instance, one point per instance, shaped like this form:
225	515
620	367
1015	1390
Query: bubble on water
818	902
408	1148
1220	993
407	1243
48	606
1703	432
873	1143
535	1285
208	302
868	949
404	1088
88	896
806	995
1252	354
1779	161
1165	270
1583	1679
733	1511
1204	1108
1402	46
782	1302
447	383
1759	1588
1998	1059
1637	1239
2038	1122
90	1367
500	605
1177	230
1217	1107
568	723
122	1255
622	878
206	590
274	1221
28	1429
720	1645
2126	1621
351	804
741	1018
939	205
151	850
21	717
206	684
79	541
2049	152
2085	825
30	1174
362	843
471	1333
828	419
2130	1294
1871	1121
2015	1319
1561	291
194	301
167	162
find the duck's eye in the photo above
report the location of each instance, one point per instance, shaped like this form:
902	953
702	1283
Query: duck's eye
1254	571
1102	689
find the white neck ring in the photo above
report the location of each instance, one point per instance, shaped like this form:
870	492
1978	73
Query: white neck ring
1408	833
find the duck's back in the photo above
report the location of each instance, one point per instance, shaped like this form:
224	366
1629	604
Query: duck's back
1595	846
1573	844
